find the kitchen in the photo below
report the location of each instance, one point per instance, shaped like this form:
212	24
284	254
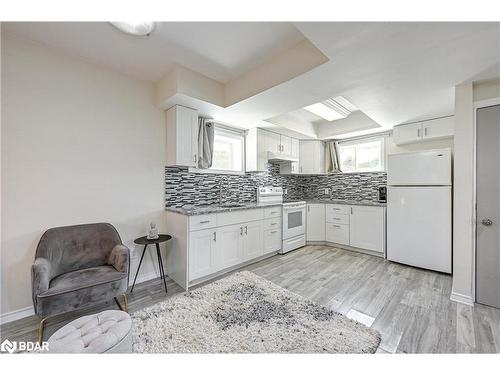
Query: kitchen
285	199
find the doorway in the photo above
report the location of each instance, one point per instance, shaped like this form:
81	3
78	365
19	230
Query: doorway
488	206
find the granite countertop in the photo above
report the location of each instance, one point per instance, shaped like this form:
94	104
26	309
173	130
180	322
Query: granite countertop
347	202
211	209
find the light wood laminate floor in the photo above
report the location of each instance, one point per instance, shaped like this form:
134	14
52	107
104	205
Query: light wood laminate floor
410	307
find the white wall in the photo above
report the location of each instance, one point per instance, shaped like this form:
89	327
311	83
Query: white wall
463	185
80	144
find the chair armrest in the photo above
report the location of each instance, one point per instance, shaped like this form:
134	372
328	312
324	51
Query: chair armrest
40	276
120	258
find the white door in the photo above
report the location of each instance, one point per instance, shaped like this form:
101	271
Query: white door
438	128
253	240
409	133
367	228
286	145
187	136
228	249
315	222
419	226
488	207
201	253
431	167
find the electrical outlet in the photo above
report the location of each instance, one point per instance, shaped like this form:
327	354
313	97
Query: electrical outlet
327	191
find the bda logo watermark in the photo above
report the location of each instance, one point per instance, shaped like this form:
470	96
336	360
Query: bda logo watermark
8	346
23	346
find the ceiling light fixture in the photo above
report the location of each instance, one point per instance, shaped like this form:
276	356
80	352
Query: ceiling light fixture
330	109
135	28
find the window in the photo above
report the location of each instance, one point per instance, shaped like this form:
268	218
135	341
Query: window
365	155
229	148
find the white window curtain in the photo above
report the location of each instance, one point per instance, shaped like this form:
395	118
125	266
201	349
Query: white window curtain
206	130
332	160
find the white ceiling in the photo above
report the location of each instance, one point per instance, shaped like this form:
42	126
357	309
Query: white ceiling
392	72
221	51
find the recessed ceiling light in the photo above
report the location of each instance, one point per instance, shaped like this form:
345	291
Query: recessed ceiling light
331	109
135	28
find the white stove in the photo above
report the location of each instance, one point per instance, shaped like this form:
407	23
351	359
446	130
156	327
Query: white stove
293	218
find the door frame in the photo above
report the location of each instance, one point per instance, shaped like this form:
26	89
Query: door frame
476	106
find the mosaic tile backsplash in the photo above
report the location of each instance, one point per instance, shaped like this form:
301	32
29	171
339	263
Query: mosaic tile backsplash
183	187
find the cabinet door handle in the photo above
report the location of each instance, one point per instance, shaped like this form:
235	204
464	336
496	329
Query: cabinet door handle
204	221
274	231
274	223
418	133
215	236
308	208
425	132
351	211
336	226
194	158
241	231
246	229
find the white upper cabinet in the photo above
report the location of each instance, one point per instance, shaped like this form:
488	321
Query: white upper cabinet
260	142
285	145
182	136
410	133
312	157
424	131
272	141
294	148
438	128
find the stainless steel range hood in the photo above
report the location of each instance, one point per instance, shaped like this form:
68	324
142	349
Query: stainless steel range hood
271	156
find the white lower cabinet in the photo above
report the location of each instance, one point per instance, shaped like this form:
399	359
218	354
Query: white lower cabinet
362	227
229	243
252	240
315	222
228	250
202	252
338	233
367	228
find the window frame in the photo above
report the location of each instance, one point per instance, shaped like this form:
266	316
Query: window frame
232	132
358	141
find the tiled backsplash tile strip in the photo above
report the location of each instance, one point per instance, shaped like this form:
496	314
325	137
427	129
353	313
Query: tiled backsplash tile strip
345	186
183	187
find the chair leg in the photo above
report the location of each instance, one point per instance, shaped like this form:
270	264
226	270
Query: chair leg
41	328
124	306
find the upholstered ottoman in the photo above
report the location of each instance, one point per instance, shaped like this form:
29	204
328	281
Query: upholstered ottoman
104	332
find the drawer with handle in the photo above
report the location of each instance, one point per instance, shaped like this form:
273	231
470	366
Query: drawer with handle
333	217
337	233
272	212
272	223
337	209
198	222
272	240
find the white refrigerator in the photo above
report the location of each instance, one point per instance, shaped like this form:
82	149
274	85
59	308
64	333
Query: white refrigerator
419	211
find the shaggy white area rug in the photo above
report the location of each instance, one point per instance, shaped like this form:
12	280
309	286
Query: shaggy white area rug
244	313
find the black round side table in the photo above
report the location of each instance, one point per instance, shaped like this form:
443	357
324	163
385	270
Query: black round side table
145	241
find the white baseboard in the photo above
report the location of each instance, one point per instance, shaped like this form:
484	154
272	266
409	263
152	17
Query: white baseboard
28	311
462	298
16	314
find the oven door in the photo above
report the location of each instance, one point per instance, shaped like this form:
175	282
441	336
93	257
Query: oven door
293	221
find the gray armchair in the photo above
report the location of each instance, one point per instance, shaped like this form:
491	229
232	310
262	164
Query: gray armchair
78	266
